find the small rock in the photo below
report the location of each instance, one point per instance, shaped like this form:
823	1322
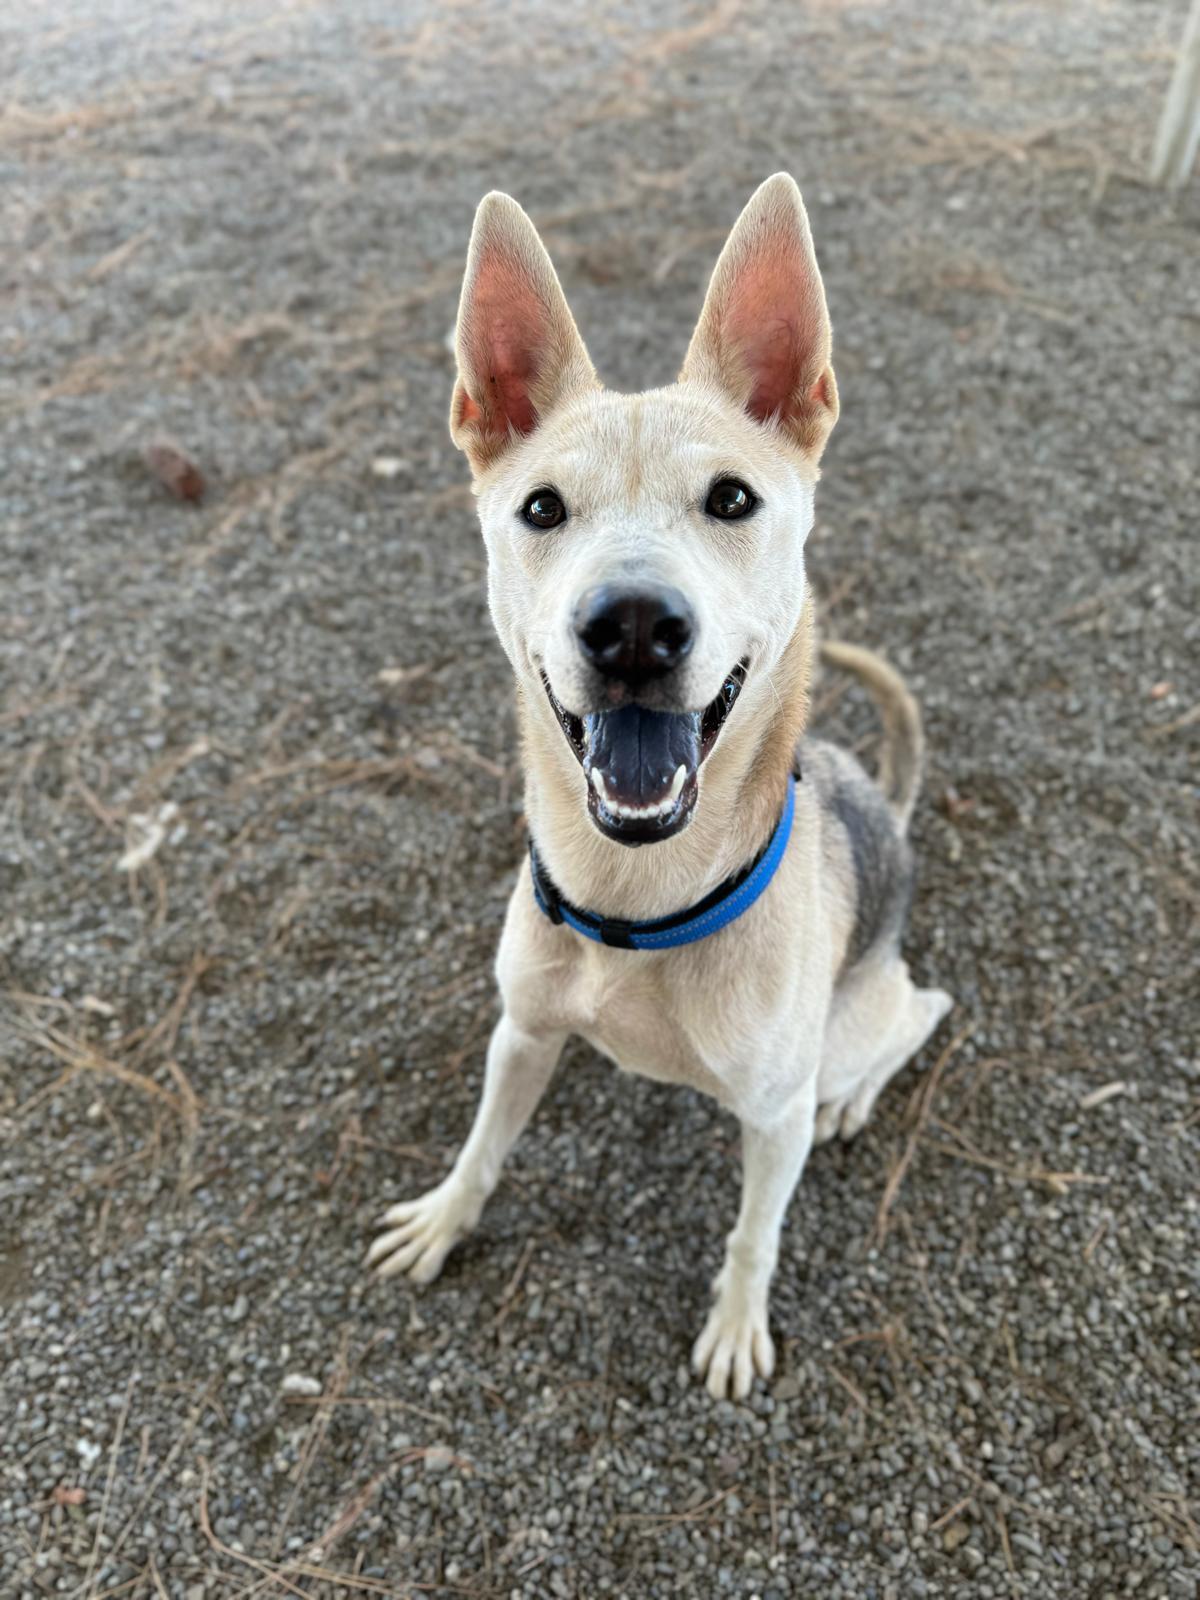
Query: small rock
300	1383
177	472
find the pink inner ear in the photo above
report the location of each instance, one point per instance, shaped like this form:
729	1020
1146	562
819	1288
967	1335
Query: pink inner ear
509	331
769	322
772	359
819	393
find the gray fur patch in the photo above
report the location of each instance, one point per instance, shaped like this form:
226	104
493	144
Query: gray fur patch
883	865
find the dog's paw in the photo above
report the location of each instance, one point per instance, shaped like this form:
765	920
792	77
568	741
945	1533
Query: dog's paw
421	1233
733	1346
849	1113
846	1117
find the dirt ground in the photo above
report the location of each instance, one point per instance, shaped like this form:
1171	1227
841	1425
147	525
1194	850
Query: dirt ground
244	228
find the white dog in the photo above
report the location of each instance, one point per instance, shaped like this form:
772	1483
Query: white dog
646	578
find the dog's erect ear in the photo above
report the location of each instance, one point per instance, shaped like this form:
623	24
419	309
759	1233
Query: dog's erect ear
763	335
518	349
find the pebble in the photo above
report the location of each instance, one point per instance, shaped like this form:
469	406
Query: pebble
300	1384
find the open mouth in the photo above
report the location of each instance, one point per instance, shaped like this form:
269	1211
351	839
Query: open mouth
641	765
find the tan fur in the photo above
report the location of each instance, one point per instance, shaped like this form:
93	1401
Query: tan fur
780	1012
903	736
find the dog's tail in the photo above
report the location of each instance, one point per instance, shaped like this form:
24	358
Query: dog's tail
903	738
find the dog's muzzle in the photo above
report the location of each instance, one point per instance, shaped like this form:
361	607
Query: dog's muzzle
642	764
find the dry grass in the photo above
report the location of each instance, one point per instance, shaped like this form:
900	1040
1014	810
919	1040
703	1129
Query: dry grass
136	1062
79	1056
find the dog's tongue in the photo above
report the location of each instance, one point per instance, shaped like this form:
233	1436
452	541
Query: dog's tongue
642	758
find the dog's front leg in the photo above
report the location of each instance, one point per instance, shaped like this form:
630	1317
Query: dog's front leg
421	1233
736	1342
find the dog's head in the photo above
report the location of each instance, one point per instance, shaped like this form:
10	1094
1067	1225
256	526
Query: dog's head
646	552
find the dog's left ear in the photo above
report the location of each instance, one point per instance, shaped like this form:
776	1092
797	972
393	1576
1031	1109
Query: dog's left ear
519	351
764	335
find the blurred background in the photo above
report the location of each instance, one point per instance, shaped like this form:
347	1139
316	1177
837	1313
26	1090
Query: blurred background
260	812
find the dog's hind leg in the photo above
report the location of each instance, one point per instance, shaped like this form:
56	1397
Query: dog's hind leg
421	1233
878	1022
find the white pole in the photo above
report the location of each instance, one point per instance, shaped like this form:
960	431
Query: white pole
1179	129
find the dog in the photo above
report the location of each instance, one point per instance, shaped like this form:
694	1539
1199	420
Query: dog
646	577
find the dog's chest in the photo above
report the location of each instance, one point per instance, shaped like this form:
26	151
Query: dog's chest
645	1018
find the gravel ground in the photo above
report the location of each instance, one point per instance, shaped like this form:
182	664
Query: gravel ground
245	230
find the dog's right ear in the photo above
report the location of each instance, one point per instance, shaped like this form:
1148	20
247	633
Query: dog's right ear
519	352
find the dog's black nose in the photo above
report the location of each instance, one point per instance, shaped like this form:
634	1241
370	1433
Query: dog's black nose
634	634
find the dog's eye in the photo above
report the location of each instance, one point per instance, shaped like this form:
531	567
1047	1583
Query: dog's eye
544	510
729	499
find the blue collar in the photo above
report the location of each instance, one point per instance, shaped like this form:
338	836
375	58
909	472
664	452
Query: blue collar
716	911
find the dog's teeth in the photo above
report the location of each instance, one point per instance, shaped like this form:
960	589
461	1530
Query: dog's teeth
655	808
677	782
631	813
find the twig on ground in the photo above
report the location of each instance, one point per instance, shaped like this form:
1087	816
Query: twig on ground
377	1402
1057	1182
924	1098
86	1586
315	1440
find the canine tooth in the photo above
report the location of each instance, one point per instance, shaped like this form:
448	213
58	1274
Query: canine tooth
678	781
598	782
